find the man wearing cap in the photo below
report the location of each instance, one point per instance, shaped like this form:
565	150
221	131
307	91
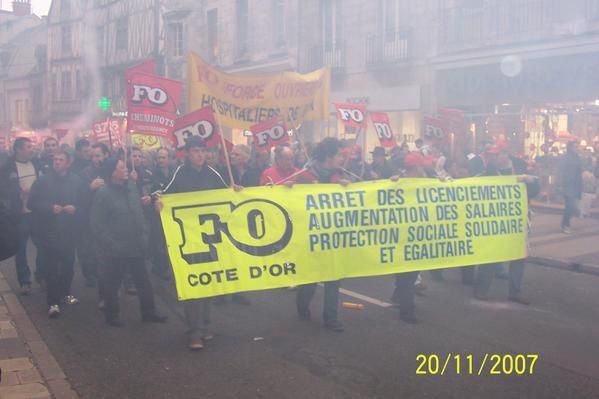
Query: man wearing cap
121	233
195	175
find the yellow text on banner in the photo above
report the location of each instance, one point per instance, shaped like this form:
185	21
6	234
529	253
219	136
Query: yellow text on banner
222	241
243	100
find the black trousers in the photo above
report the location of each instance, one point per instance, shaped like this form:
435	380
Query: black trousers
305	293
58	272
86	253
114	269
403	294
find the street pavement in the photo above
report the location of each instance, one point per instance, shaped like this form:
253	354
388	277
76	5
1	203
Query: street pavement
264	351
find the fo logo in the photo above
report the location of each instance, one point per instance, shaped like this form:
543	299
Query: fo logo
434	132
353	114
154	95
274	133
383	131
257	227
204	129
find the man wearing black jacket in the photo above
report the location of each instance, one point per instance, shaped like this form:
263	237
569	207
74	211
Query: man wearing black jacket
93	181
161	175
54	202
195	175
121	234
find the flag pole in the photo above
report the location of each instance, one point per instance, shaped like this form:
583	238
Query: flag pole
224	146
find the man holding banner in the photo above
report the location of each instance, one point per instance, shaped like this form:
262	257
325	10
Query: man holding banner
195	175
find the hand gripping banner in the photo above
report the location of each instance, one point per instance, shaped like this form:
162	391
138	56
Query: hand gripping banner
222	241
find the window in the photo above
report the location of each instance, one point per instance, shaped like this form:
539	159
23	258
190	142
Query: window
242	23
19	111
212	17
37	99
66	40
122	34
175	39
389	19
100	40
65	86
278	23
78	83
331	24
65	9
54	87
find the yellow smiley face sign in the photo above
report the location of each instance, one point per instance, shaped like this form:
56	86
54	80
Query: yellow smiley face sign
145	142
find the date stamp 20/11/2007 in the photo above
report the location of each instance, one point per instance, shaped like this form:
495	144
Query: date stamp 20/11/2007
485	364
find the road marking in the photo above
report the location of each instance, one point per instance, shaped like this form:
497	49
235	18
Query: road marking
364	298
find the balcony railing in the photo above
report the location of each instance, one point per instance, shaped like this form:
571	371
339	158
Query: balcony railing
331	54
388	48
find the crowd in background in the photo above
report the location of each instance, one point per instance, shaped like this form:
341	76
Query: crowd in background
102	208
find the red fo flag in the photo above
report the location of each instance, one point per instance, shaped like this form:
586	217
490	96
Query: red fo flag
268	134
152	103
380	120
197	123
352	115
434	128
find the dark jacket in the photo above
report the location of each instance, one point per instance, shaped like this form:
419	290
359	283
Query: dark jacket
79	165
10	189
188	179
159	179
118	223
9	236
251	177
88	175
570	170
55	231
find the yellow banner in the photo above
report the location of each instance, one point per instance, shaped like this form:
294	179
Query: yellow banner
222	242
241	100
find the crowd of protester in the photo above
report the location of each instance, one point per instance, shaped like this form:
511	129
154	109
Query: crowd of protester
102	208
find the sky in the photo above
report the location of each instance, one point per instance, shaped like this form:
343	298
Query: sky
40	7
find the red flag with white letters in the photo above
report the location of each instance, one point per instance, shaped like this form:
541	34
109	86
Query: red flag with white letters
382	126
352	115
152	103
269	134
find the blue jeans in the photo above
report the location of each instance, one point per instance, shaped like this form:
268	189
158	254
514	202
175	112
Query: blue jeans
23	272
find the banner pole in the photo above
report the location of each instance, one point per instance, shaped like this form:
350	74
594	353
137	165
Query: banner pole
109	133
224	145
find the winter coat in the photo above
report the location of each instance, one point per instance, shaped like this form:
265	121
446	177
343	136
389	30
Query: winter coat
117	221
